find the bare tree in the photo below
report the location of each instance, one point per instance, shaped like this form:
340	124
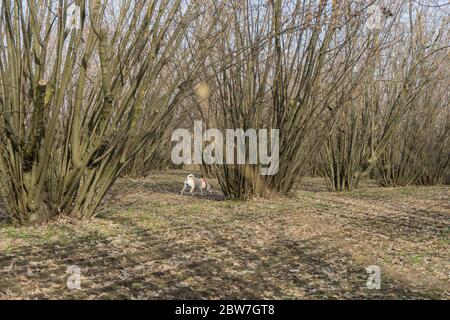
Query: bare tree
401	62
76	105
270	73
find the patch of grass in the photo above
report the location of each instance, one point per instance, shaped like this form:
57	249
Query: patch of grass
322	206
18	233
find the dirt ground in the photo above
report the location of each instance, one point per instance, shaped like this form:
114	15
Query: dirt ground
148	242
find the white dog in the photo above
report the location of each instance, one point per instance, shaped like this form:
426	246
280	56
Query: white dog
196	183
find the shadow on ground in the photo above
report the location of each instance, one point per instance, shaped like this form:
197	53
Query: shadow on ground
181	262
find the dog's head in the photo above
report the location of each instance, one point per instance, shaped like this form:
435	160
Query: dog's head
191	176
